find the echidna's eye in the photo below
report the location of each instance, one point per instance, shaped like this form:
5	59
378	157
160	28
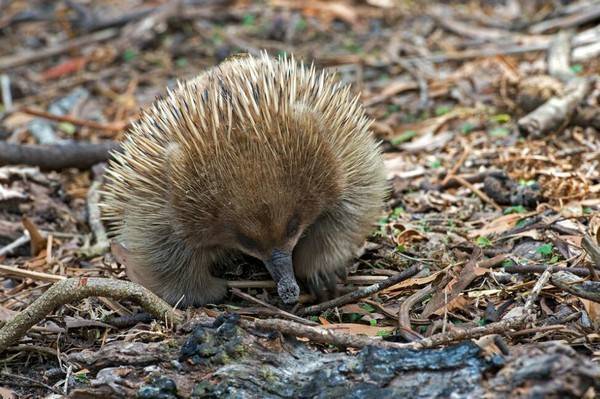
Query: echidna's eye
292	226
247	242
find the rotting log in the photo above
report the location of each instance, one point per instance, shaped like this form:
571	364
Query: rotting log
224	358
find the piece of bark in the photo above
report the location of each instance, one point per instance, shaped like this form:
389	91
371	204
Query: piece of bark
556	113
587	117
576	286
559	56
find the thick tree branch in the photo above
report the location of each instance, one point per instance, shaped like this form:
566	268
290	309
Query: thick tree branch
56	156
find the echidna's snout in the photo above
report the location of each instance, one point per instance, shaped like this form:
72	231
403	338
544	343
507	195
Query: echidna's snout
280	267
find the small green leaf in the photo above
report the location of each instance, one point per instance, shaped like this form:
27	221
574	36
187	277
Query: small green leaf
373	322
354	317
400	248
467	128
391	108
501	118
515	209
442	110
481	322
301	24
435	164
367	307
554	259
577	68
398	211
352	46
181	62
526	183
81	378
248	20
314	318
406	136
587	210
507	262
129	55
483	242
545	250
384	333
217	38
499	132
521	222
67	127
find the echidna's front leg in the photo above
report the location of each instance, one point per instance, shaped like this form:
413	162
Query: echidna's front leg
322	254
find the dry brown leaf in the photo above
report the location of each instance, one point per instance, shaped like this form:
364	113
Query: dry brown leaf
393	89
352	308
396	166
593	310
6	314
412	282
7	393
16	120
38	242
446	297
457	303
324	10
428	142
499	225
409	236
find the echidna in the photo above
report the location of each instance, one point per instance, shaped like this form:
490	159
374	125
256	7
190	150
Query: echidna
257	156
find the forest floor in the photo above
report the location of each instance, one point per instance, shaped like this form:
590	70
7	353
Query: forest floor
489	117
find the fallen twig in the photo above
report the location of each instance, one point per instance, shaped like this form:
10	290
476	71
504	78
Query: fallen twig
568	21
37	276
537	288
362	292
75	289
341	339
29	57
456	167
576	286
523	269
275	309
7	249
477	192
111	127
29	381
56	156
408	303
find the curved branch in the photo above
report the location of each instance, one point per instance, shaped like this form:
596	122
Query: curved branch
76	289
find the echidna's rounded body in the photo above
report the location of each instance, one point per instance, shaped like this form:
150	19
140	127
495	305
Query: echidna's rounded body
257	155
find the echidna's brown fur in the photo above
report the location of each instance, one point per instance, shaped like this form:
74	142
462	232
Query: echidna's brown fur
252	155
